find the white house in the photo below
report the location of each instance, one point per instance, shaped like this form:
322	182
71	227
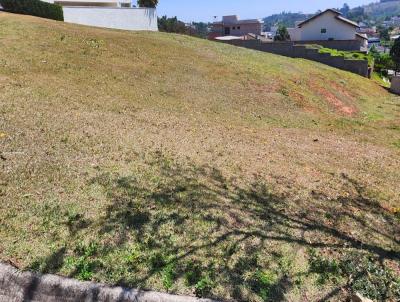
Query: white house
109	14
328	25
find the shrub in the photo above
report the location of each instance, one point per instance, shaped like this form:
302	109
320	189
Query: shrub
147	3
364	274
282	34
349	55
34	8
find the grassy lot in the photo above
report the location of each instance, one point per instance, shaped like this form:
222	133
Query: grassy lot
176	164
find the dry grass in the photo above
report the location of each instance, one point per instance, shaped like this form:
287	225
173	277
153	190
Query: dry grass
173	163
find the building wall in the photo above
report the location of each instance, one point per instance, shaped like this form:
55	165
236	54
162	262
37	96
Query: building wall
92	3
246	29
395	85
295	34
119	18
254	28
335	29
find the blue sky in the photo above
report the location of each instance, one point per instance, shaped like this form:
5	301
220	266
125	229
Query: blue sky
204	10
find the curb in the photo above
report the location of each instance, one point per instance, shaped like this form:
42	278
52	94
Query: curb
18	286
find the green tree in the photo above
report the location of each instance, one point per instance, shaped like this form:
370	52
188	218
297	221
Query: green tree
382	61
147	3
357	14
395	54
345	9
282	34
171	25
384	34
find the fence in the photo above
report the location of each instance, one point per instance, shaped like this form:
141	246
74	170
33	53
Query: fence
290	49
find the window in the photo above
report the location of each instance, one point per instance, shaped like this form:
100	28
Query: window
234	28
323	30
238	27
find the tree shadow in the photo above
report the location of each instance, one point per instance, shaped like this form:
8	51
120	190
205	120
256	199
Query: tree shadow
193	223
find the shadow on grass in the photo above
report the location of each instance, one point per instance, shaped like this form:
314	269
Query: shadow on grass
192	223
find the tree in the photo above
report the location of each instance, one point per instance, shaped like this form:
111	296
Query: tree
147	3
357	14
282	34
345	9
395	54
171	25
382	61
384	34
201	29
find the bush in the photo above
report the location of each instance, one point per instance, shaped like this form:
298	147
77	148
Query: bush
147	3
34	8
282	34
349	55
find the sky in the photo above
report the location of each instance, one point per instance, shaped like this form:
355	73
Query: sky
205	10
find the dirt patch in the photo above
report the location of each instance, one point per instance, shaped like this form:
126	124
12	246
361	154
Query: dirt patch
334	101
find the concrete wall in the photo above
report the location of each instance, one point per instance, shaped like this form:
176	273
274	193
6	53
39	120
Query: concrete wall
289	49
335	29
348	45
395	85
119	18
112	3
17	286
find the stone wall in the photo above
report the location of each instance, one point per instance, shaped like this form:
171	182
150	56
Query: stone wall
290	49
17	286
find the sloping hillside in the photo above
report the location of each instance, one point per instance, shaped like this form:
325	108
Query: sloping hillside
166	162
375	11
381	10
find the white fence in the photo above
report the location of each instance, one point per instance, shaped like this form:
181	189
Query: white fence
119	18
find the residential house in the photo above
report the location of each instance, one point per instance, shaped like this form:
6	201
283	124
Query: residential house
363	28
394	22
117	14
329	28
233	26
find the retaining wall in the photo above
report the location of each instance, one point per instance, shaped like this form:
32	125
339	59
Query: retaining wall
395	85
108	17
290	49
17	286
348	45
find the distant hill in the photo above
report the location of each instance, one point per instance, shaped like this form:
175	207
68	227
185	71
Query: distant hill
285	18
375	12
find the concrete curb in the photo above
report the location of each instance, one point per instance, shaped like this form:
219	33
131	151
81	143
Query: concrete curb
18	286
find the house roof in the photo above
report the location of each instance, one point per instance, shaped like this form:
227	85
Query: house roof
336	12
363	36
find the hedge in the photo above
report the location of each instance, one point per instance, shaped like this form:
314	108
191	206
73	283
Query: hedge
34	8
